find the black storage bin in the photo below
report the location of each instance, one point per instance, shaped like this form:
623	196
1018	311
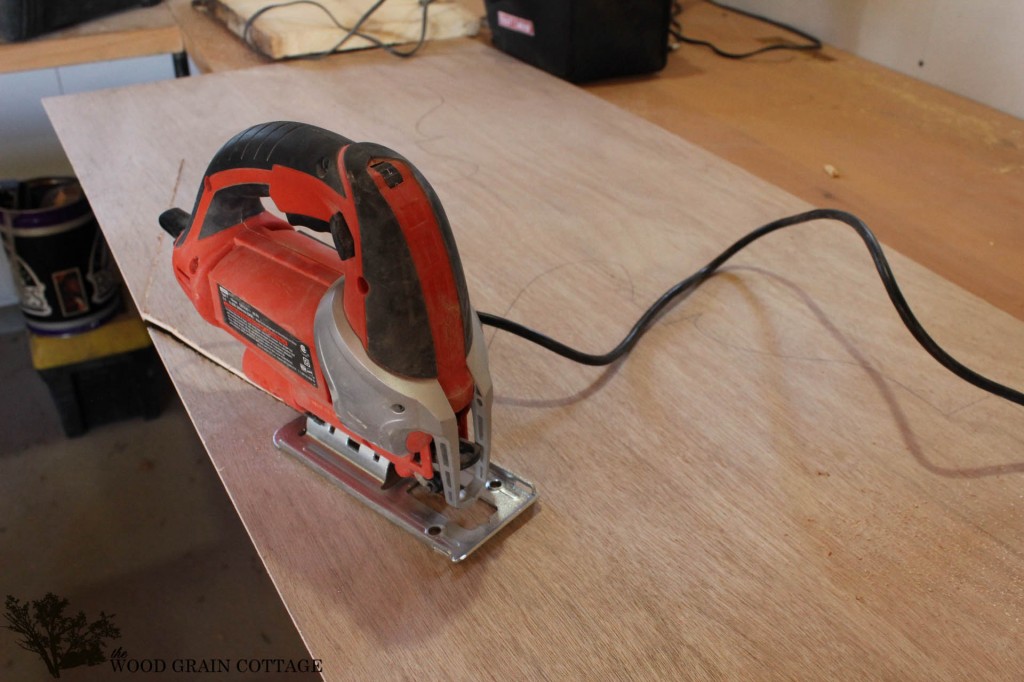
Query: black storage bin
583	40
108	389
21	19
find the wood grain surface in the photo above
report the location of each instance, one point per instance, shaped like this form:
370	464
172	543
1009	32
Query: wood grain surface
936	175
776	484
301	29
134	33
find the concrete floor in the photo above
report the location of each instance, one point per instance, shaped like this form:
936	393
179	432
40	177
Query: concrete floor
129	519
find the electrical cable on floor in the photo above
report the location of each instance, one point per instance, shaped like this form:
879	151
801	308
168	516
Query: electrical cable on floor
697	278
676	31
353	32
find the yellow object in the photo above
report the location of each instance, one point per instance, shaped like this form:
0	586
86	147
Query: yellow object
123	334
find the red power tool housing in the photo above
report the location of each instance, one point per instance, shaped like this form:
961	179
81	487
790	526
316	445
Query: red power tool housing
255	276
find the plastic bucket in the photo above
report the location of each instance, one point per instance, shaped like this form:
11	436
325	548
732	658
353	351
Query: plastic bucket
66	279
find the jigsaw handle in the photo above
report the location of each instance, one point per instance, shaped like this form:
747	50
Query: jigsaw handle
296	164
417	312
305	148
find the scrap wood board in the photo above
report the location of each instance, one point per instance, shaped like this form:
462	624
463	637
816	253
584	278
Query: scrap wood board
777	481
290	30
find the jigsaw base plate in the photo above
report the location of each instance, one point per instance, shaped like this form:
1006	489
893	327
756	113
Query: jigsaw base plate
362	473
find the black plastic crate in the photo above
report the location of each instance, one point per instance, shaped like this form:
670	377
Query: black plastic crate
112	388
583	40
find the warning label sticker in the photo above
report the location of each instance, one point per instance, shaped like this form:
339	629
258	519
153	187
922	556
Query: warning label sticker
263	333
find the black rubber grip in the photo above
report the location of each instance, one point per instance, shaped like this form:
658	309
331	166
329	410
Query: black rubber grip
397	323
306	148
300	146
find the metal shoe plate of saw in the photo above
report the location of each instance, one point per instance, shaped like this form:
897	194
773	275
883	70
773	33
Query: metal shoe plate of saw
365	474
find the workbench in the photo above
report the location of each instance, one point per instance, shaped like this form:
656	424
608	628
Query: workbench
133	33
778	483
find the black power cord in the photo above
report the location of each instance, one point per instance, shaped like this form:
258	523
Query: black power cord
350	33
676	30
697	278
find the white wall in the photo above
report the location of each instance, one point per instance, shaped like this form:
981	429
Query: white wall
971	47
28	145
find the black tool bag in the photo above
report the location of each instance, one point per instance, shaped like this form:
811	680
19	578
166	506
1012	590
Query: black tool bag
583	40
21	19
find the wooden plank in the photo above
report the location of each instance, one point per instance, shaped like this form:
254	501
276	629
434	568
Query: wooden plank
214	48
292	30
134	33
937	176
775	483
209	43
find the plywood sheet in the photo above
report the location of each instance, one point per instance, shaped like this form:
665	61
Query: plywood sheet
282	30
777	483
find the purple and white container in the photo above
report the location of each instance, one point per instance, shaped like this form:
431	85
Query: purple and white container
65	276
